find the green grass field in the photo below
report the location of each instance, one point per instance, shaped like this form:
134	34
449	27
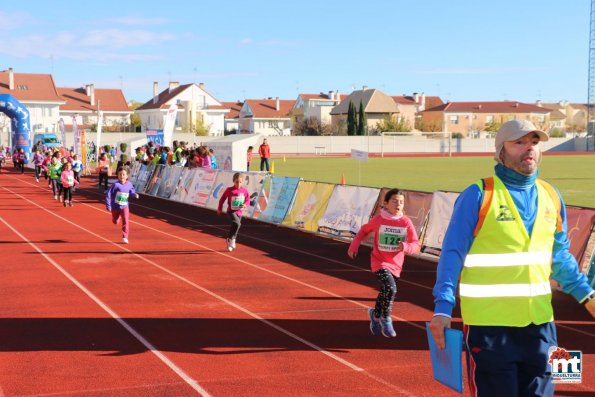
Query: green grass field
574	175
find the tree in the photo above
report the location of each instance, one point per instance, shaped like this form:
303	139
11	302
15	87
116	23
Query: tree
351	122
362	127
200	129
390	124
134	117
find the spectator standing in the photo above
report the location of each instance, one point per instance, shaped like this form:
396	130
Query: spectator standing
265	154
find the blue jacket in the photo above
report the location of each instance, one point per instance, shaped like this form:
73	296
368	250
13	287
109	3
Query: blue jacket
459	238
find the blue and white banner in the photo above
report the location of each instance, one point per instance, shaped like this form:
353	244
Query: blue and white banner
20	123
155	136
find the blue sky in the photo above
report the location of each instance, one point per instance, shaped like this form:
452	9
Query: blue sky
461	50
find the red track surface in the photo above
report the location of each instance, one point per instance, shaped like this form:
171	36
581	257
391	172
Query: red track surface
174	314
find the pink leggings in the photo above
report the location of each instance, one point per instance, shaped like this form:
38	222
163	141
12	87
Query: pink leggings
123	213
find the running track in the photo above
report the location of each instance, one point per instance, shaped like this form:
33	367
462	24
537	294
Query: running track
174	314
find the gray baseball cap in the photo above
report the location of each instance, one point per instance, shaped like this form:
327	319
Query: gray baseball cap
513	130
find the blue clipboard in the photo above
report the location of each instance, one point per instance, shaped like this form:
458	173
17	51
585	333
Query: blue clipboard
447	364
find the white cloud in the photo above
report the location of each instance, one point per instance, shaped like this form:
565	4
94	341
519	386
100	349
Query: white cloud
107	44
14	20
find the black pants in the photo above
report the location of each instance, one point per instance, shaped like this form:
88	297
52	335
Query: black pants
67	194
103	177
37	171
386	296
21	166
236	222
264	162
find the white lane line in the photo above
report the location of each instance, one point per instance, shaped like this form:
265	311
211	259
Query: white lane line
191	382
291	249
204	247
219	297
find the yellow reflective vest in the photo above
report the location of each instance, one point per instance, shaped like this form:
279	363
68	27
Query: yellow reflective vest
505	277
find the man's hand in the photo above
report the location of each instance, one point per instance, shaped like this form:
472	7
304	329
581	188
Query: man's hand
437	326
218	212
352	254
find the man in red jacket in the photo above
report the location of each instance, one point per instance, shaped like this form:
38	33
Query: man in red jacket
265	153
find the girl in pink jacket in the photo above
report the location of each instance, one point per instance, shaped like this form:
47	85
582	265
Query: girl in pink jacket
68	182
394	236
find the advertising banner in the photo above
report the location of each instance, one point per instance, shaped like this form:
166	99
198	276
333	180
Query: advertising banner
309	205
144	174
170	176
440	213
169	123
349	207
155	180
580	222
253	182
276	199
155	136
134	171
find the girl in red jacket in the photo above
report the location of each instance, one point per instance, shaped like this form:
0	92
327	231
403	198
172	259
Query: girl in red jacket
394	236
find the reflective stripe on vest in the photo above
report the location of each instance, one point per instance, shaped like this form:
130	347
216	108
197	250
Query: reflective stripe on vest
505	278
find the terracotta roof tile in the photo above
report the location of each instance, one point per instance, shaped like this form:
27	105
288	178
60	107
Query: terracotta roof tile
112	100
30	87
235	109
489	107
265	108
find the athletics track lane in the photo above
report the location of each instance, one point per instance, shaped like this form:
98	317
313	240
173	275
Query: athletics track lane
208	311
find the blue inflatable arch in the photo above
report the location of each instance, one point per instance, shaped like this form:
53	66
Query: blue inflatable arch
20	122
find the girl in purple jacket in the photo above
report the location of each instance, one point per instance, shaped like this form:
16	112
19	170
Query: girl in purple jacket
116	201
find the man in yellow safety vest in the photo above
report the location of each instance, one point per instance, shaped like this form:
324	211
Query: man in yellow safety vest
507	236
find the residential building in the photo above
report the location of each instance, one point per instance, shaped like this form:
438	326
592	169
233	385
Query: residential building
38	93
317	106
410	106
195	106
84	102
469	118
232	119
376	104
266	116
574	115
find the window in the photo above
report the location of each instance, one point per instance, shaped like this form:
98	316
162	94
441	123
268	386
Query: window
22	87
489	119
454	119
273	124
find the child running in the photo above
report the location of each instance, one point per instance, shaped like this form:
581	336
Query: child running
68	183
116	201
103	167
55	170
37	162
237	197
394	236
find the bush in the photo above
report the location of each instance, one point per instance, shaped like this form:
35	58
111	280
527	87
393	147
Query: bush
123	147
557	133
107	148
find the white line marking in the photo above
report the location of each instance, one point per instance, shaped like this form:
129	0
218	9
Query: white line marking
191	382
238	307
